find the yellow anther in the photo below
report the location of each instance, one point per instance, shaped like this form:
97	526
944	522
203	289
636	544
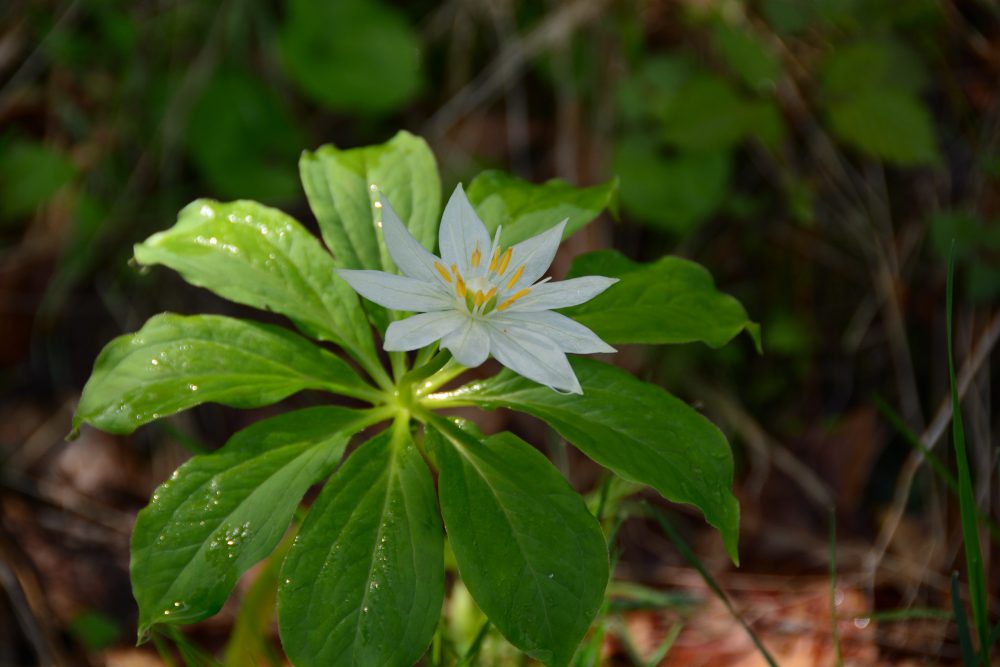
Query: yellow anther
443	271
476	257
489	295
459	284
479	299
504	261
515	277
509	301
494	260
454	269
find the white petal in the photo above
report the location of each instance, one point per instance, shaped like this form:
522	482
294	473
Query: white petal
397	292
409	255
535	357
569	335
469	344
461	229
421	330
535	254
563	294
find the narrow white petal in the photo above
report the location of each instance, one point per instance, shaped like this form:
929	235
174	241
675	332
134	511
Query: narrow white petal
421	330
569	335
409	255
563	294
469	344
535	357
461	229
397	292
535	255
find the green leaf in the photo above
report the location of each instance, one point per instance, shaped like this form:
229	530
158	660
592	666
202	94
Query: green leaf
258	256
871	66
672	192
887	124
220	513
364	581
532	556
636	429
339	186
526	209
669	301
176	362
351	55
747	55
30	174
707	114
243	139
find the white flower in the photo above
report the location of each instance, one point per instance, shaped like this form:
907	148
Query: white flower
480	299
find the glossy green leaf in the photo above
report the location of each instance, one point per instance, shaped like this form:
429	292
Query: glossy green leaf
30	174
887	124
672	300
243	139
527	209
364	580
675	192
176	362
532	556
258	256
636	429
220	513
343	187
351	55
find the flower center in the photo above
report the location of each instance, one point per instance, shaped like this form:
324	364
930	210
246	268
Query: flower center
481	291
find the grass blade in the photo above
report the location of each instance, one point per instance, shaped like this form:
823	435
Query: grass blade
668	642
964	639
835	624
966	498
693	561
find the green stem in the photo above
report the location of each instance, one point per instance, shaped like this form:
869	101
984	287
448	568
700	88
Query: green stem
451	370
398	362
445	399
374	369
422	371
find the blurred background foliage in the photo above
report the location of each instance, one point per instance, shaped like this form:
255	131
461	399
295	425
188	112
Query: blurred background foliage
820	157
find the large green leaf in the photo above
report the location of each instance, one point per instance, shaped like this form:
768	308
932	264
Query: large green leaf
344	185
364	581
258	256
533	557
672	300
887	124
243	139
176	362
220	513
352	55
636	429
706	114
526	209
675	192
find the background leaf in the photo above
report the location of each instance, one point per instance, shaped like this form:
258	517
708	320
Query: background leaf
339	186
526	209
364	581
30	174
532	556
669	301
176	362
220	513
243	140
351	55
636	429
887	124
261	257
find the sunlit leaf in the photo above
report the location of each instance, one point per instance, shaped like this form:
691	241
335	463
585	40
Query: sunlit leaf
176	362
364	581
222	512
261	257
528	550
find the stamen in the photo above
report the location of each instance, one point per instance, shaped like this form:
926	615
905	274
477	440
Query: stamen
476	256
504	261
494	260
479	299
443	271
511	299
516	277
459	285
489	295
